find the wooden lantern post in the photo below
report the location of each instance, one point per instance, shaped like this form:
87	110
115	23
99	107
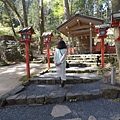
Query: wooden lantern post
47	40
26	36
102	33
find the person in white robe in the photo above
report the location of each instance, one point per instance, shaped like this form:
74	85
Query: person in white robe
60	61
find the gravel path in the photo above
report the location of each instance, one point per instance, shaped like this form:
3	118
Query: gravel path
101	109
34	89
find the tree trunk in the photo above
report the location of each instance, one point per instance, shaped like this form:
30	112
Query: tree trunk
66	9
115	8
41	26
115	5
24	13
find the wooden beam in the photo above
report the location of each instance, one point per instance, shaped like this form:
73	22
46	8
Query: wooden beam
83	20
80	27
85	34
80	31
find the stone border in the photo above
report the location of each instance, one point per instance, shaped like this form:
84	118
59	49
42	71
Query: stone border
9	94
68	70
54	97
106	91
55	80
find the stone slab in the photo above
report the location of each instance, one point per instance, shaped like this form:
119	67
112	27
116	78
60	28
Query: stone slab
31	99
56	96
3	99
16	90
87	95
74	96
60	110
40	99
21	99
11	99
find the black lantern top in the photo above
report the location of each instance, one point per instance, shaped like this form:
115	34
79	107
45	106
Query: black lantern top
116	16
27	29
50	34
102	26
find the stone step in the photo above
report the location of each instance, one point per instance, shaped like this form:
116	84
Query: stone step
77	70
51	78
44	94
82	64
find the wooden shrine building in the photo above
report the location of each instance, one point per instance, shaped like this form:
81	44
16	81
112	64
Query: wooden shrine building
80	27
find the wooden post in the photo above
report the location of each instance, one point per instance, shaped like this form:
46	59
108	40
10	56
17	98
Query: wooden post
73	44
68	42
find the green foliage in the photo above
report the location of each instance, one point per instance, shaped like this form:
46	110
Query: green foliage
33	15
117	99
101	71
4	63
53	11
5	31
73	100
25	78
58	10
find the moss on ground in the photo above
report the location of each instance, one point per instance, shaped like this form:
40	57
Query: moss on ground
25	78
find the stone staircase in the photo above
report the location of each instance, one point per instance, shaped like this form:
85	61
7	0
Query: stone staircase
81	84
84	60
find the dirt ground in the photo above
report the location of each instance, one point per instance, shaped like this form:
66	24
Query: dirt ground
10	75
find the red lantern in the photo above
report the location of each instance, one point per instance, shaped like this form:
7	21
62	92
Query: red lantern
102	33
26	36
47	40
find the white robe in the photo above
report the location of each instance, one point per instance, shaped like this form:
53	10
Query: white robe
58	57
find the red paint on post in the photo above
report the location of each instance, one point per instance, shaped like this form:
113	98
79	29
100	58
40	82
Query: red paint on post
102	52
48	55
27	59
